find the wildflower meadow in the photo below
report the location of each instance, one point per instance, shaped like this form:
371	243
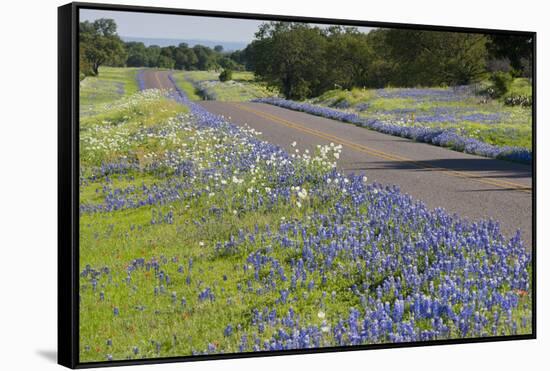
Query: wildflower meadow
460	118
198	237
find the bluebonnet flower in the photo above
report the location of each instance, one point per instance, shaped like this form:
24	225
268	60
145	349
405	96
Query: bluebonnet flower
437	136
228	331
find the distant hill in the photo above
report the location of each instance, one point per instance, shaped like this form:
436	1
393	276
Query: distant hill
227	45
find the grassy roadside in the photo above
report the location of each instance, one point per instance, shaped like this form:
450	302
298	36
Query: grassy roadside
196	237
489	121
206	85
183	83
113	83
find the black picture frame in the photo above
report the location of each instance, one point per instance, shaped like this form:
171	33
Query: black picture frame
68	182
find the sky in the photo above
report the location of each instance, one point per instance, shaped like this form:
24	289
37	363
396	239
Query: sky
171	26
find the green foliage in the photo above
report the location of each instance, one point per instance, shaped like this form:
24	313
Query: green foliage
180	57
348	57
500	84
304	61
517	49
84	66
290	57
430	58
99	45
226	75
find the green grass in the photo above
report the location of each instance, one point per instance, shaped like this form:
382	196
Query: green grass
146	128
131	128
111	84
206	85
105	136
512	126
114	239
186	86
243	76
520	86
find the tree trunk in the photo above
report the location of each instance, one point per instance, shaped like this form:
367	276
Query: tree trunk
95	69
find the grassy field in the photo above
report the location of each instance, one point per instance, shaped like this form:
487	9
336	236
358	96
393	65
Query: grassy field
461	109
186	85
196	237
520	86
114	83
205	84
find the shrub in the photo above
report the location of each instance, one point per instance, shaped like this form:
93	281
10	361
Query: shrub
518	100
500	84
226	75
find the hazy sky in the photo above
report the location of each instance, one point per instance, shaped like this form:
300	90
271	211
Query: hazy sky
170	26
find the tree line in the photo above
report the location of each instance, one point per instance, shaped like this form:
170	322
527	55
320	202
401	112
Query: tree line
181	57
101	45
304	61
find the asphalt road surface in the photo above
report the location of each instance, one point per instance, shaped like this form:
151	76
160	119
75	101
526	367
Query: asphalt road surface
471	186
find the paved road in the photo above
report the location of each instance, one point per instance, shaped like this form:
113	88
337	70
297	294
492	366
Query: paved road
157	80
471	186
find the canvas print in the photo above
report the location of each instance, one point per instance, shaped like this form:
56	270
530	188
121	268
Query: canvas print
250	185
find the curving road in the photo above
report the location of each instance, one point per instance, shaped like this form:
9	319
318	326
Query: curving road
471	186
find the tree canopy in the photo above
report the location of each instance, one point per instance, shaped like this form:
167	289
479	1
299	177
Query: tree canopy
100	44
516	49
303	60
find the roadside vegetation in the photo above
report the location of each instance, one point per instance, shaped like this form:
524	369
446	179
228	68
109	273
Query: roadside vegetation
207	85
100	45
304	61
464	110
115	83
469	87
455	118
197	237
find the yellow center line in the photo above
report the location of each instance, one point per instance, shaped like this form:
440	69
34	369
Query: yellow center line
384	155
